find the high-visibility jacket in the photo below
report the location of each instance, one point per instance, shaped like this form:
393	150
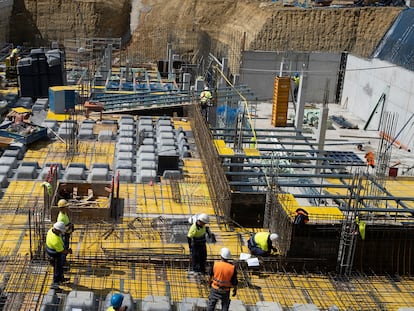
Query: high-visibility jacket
110	309
261	239
296	80
54	241
197	234
205	96
63	217
370	158
223	275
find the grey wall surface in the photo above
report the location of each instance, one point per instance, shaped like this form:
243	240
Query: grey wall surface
365	81
259	69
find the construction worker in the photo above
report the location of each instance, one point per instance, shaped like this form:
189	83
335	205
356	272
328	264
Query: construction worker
296	80
205	101
370	157
14	55
301	217
262	243
197	243
116	303
55	249
223	277
64	217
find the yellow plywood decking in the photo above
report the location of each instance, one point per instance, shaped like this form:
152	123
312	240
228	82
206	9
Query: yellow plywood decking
251	152
222	149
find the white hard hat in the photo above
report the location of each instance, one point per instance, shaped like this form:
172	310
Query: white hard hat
204	218
274	237
206	88
60	226
225	253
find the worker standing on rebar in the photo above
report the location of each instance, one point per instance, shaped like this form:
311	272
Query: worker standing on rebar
116	303
63	216
197	243
223	277
262	243
55	248
205	101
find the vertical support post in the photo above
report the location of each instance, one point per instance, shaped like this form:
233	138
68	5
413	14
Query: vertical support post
301	102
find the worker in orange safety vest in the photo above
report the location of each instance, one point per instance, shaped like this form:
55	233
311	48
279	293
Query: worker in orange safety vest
223	277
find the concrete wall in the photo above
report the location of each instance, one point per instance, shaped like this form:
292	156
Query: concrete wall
6	7
365	81
258	70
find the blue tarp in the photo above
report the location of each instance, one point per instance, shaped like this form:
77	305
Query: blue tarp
397	46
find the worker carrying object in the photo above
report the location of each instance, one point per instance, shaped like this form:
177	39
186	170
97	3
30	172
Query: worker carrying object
223	277
63	216
116	303
196	238
262	243
55	249
205	101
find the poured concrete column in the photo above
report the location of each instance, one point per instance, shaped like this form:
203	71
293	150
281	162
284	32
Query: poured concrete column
300	107
322	125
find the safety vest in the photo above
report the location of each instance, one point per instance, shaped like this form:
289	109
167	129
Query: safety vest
261	240
110	309
296	80
222	273
205	96
198	234
370	158
63	218
54	241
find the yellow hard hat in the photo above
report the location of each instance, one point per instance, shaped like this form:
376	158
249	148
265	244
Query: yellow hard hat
62	203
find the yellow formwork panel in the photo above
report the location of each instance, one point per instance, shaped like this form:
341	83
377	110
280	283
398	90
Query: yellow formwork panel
185	125
251	152
58	117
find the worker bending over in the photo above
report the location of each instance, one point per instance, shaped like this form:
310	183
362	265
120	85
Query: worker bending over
262	243
56	250
116	303
223	277
197	243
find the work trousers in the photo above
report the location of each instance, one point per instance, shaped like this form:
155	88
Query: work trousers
255	249
199	257
57	265
215	296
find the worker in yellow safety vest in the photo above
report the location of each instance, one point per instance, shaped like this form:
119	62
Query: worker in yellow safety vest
197	243
262	243
205	101
63	216
296	80
14	55
223	277
55	249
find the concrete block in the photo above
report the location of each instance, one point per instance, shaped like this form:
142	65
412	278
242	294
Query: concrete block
164	122
164	128
146	165
192	304
124	155
145	128
6	170
86	133
125	175
87	125
237	305
126	121
166	135
124	148
165	142
126	134
304	307
74	173
146	149
98	174
123	164
50	301
144	176
4	182
26	172
148	141
125	140
82	300
146	156
156	303
105	135
268	306
10	161
11	153
126	127
144	122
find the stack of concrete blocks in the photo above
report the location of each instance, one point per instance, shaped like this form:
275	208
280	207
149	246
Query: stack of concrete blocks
86	130
166	143
27	170
41	104
156	303
146	157
9	161
81	300
67	129
125	148
182	141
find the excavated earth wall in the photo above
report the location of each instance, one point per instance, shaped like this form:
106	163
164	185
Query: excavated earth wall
197	27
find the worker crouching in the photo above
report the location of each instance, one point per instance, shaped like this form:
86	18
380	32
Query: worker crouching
262	243
223	277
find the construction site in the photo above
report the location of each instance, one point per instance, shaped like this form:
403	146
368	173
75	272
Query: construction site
102	109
